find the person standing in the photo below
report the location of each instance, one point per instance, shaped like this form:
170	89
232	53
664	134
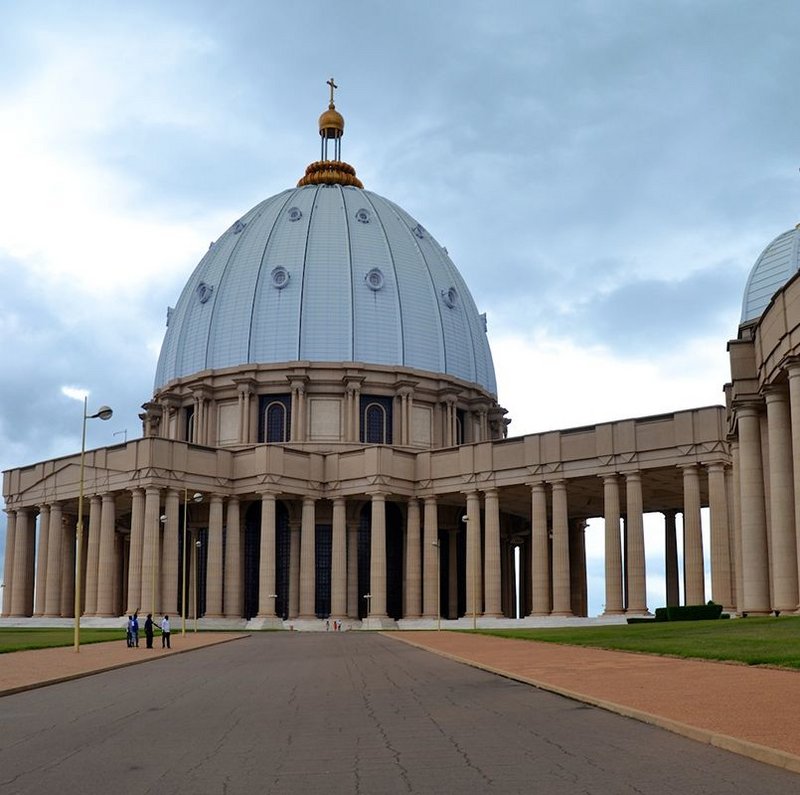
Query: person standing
148	630
165	633
135	629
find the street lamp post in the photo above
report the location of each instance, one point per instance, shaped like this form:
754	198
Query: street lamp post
475	552
103	413
196	497
368	597
195	550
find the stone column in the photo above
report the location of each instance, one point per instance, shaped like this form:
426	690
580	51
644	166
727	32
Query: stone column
339	559
298	428
150	568
8	565
41	559
694	576
783	548
430	559
637	574
413	583
294	569
214	576
169	554
267	595
577	567
473	572
493	607
22	556
452	573
92	553
540	551
105	571
352	568
308	567
671	559
720	544
233	562
613	562
755	596
135	552
52	598
377	568
562	599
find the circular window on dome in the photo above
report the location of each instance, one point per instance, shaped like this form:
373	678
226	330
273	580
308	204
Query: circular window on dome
280	277
238	227
294	213
204	292
374	279
362	216
450	297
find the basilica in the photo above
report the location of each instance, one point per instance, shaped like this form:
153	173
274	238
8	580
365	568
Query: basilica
324	442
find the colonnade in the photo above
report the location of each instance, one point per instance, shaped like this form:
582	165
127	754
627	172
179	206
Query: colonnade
139	569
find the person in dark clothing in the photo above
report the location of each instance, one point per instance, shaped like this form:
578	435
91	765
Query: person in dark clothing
148	630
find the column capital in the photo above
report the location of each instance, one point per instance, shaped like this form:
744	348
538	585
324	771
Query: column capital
792	366
774	393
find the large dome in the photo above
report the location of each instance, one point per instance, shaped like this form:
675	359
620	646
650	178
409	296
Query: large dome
779	261
330	273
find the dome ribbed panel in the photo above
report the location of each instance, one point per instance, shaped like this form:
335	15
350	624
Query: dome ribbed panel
326	319
777	264
275	330
229	334
423	340
377	325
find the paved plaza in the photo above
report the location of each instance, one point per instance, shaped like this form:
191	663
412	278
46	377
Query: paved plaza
341	712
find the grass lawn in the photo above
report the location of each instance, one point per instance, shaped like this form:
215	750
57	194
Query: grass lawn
753	641
19	639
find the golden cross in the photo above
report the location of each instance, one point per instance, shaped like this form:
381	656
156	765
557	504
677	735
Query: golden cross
332	85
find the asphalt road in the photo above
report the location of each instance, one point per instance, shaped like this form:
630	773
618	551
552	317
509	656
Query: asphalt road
340	713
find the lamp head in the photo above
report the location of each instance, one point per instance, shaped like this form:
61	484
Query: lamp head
197	497
198	544
104	413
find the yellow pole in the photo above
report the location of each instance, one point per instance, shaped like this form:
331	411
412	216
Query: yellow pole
185	584
79	536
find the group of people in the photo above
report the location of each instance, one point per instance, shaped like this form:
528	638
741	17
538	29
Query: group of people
149	630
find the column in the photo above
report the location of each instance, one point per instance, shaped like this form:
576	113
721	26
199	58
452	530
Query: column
636	569
577	567
8	565
473	568
671	559
694	576
41	560
308	567
294	568
21	577
493	607
105	572
92	553
214	564
452	572
562	600
233	562
783	548
169	554
352	568
413	583
377	567
52	606
540	551
135	552
735	491
755	572
339	559
150	568
720	537
266	558
430	559
613	549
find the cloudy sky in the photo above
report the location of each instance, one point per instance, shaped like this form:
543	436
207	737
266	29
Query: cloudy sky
604	174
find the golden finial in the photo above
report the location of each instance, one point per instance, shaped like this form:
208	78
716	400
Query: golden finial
333	86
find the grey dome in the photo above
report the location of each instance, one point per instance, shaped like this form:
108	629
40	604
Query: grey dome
779	261
327	273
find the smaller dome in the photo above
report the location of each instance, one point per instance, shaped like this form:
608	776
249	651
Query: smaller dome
331	123
779	261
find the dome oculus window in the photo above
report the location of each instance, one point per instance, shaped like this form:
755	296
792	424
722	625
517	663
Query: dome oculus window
280	277
362	216
294	213
204	292
374	279
450	297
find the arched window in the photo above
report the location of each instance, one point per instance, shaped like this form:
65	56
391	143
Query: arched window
275	422
375	424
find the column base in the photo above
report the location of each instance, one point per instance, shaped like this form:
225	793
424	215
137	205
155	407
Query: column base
378	622
265	622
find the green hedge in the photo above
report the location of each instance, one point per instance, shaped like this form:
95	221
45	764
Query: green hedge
689	612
